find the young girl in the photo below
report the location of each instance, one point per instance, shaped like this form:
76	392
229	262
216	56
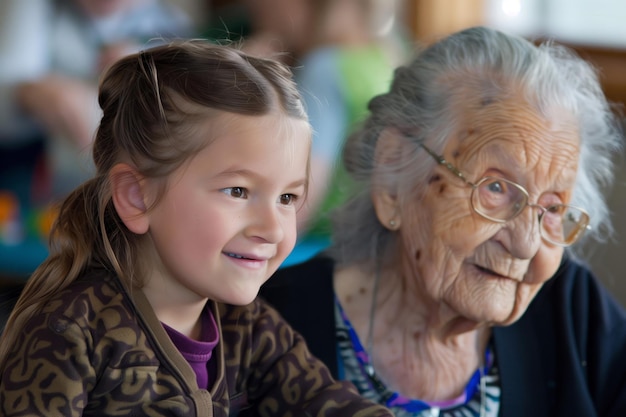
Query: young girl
147	303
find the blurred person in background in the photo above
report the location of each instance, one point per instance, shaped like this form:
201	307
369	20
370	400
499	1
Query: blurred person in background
342	53
52	53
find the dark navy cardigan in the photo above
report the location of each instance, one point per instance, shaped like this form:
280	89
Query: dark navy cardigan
565	357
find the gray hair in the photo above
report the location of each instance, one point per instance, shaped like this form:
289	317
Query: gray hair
420	104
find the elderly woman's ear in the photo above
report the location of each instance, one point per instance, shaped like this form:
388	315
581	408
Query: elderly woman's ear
390	148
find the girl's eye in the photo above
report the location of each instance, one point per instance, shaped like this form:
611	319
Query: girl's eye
288	199
236	192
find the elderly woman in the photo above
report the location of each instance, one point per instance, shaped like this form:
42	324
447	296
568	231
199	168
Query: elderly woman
452	287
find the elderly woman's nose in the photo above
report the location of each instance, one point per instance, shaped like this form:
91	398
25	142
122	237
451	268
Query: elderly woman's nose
525	233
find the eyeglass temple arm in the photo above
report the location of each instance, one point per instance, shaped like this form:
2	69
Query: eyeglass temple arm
442	161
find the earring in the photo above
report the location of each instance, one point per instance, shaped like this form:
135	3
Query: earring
392	224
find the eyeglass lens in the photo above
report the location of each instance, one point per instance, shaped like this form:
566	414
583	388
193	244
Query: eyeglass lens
501	200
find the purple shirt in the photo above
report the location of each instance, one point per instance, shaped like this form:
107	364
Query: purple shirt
198	352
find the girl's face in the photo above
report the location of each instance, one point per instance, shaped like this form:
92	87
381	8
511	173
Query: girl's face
465	265
228	218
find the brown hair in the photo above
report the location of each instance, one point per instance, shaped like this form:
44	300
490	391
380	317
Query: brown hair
152	103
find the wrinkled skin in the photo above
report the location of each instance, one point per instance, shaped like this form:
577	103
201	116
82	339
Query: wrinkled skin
466	265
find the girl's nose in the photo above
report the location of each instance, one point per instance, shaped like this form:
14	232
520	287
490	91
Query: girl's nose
265	223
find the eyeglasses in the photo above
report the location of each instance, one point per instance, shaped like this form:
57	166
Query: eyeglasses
501	200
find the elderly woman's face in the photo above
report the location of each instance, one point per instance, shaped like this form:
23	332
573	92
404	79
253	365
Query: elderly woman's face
471	266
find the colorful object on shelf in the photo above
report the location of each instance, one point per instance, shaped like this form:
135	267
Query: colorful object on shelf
11	230
18	224
39	221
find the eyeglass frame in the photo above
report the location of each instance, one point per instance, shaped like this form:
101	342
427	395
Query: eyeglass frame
442	161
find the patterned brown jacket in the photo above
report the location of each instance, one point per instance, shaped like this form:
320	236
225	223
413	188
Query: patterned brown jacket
98	349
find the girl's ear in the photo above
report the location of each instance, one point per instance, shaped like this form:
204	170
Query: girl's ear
127	187
389	150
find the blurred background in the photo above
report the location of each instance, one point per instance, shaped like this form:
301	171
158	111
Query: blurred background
29	188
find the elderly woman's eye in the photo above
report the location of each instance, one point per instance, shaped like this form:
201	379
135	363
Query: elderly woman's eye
495	193
498	187
552	219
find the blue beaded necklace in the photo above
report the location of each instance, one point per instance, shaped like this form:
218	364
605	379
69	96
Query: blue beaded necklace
473	397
